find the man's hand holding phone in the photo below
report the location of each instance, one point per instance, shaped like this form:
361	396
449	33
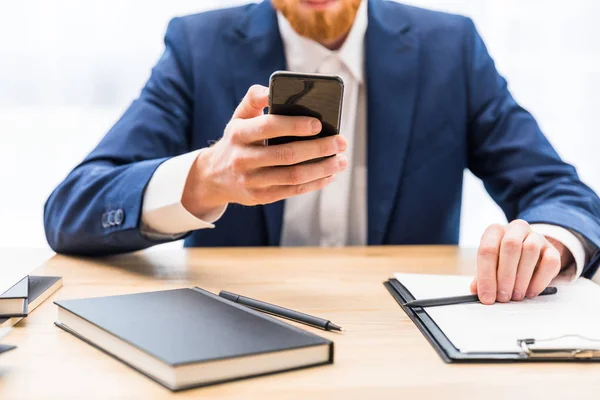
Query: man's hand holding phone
240	169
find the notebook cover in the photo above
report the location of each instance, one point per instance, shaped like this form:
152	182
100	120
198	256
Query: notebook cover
442	344
38	285
144	320
6	347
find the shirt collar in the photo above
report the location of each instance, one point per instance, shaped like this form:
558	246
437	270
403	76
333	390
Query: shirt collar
305	55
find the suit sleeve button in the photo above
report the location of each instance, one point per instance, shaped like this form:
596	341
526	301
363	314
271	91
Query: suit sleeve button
119	216
111	218
105	223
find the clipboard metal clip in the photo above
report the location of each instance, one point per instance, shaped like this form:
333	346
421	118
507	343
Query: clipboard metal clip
539	349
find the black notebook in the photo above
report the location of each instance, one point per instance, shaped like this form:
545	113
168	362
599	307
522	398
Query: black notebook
39	289
13	302
190	337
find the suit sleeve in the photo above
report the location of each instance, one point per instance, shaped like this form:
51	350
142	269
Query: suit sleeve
517	164
97	209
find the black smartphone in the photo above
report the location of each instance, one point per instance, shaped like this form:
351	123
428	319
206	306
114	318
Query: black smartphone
310	95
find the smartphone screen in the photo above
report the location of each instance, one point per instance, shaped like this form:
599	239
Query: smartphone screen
318	96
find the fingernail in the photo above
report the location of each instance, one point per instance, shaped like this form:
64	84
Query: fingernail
517	295
266	91
341	143
342	162
487	298
503	296
315	126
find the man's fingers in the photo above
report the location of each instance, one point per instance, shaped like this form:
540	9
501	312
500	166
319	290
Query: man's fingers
548	269
510	254
487	262
306	150
265	127
297	174
295	153
253	103
530	256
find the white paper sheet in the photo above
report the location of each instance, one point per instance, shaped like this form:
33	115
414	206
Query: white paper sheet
475	327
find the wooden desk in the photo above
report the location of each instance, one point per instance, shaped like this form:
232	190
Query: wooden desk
382	354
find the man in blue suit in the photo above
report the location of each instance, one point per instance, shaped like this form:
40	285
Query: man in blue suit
422	102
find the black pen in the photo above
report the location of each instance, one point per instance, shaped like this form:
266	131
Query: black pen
281	311
446	301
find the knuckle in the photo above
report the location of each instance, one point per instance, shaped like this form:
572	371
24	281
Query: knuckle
496	227
244	180
520	223
262	126
511	243
285	154
551	258
234	130
494	230
326	148
228	131
301	189
531	246
488	251
238	164
294	175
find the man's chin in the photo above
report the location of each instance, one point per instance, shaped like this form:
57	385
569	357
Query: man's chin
319	20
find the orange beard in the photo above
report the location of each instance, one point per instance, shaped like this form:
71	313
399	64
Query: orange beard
321	26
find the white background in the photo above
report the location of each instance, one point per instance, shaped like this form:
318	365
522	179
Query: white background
69	68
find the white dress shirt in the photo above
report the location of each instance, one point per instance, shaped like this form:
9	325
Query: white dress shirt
339	211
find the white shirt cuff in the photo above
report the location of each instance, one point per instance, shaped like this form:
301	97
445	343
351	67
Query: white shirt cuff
163	215
574	242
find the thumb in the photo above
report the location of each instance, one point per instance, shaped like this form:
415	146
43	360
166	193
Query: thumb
474	286
253	103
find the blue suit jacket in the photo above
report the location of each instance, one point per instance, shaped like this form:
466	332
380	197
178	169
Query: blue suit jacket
436	105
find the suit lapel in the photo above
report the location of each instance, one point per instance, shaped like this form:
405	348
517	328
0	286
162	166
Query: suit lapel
392	60
257	51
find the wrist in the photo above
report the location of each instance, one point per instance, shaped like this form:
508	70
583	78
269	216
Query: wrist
201	193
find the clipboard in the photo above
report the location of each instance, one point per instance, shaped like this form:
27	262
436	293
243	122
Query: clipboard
532	350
